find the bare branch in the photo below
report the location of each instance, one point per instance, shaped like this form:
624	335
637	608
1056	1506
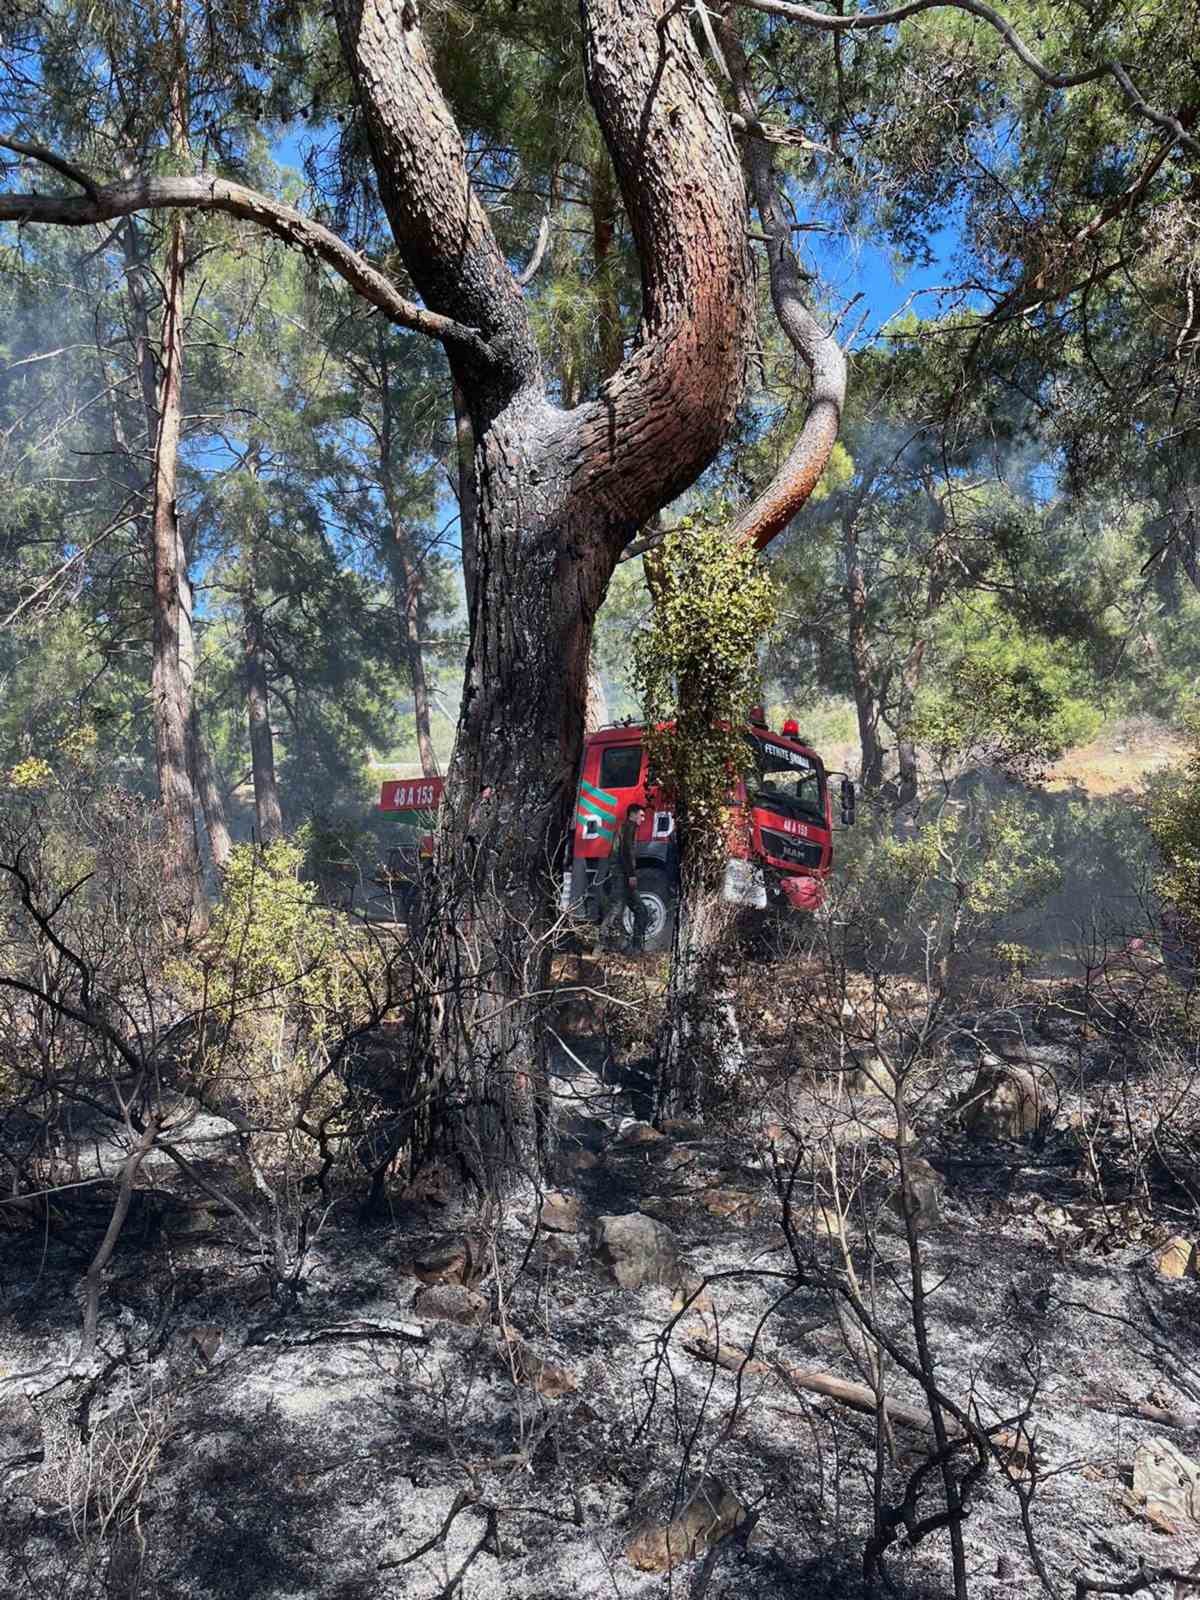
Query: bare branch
533	265
49	158
1143	1578
849	21
206	192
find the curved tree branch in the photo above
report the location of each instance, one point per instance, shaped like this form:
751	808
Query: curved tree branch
534	265
800	472
206	192
847	22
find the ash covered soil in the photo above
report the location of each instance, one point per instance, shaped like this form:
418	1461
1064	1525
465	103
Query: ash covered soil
442	1404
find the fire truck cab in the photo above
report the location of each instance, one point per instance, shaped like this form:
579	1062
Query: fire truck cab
781	845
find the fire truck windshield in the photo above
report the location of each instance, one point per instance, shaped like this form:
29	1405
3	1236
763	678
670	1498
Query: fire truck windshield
786	781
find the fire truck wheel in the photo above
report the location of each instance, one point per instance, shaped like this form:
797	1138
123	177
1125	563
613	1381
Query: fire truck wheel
654	891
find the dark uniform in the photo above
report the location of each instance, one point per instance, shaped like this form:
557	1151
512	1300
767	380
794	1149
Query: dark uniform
622	895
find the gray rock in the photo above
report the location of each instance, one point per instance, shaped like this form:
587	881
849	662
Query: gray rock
1007	1101
636	1250
452	1302
710	1512
1166	1480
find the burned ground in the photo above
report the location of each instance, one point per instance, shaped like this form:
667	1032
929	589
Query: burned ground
344	1436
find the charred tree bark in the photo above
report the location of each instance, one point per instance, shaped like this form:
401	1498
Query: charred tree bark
700	1050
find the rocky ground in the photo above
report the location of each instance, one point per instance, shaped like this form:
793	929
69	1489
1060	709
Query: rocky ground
631	1385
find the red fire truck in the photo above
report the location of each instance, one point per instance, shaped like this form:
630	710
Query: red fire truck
781	845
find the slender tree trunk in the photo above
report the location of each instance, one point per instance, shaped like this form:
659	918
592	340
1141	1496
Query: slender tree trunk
173	655
1185	529
173	661
169	685
220	842
863	666
268	813
908	774
415	653
406	569
700	1050
596	713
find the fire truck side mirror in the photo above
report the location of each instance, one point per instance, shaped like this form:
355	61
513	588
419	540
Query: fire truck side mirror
849	801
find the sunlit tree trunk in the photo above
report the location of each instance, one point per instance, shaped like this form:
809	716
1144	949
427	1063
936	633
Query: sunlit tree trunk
596	713
169	686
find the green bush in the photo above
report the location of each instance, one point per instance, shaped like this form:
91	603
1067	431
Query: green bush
1173	813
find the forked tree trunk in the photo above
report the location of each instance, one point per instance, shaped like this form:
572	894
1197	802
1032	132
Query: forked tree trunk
699	1049
560	493
558	496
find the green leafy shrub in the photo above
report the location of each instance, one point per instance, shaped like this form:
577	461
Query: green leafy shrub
281	974
696	672
1173	814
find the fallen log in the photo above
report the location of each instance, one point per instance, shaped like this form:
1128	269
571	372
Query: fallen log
857	1396
1143	1410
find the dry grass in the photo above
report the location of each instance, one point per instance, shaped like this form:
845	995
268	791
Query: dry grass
1118	759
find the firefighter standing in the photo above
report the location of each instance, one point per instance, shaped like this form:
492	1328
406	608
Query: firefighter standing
621	886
